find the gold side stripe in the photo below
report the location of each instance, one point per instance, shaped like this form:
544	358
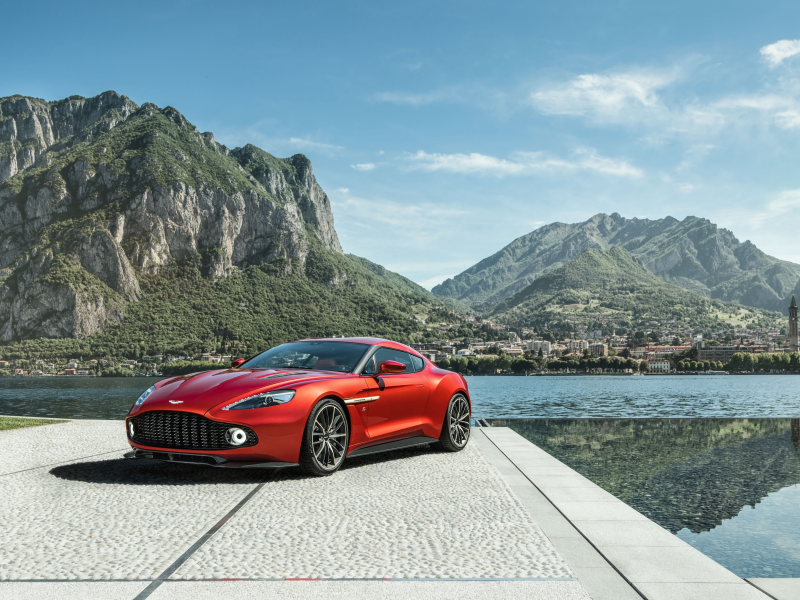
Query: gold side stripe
360	400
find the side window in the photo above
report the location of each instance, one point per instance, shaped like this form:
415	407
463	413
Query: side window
384	354
418	363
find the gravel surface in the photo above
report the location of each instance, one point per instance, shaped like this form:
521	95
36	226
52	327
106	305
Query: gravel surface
60	442
407	514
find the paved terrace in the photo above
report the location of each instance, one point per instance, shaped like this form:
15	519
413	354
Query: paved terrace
500	519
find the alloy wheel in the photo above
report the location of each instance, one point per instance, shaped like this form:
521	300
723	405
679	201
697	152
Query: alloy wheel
458	420
329	437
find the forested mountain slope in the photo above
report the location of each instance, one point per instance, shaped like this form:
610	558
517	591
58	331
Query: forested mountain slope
694	254
123	225
601	282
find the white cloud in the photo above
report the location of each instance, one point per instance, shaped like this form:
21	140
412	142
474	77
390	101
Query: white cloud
695	155
682	186
776	53
783	110
363	167
788	119
786	201
416	99
306	143
522	163
421	223
343	190
615	97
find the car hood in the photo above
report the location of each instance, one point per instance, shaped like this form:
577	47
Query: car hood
200	392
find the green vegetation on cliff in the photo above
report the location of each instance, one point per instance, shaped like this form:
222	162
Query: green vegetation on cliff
184	312
693	253
600	284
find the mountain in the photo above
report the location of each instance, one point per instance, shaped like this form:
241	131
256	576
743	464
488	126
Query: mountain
405	283
123	224
599	283
694	254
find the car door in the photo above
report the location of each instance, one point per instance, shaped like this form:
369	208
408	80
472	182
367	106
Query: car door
402	397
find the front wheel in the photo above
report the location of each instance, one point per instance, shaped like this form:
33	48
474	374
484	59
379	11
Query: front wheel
325	439
455	429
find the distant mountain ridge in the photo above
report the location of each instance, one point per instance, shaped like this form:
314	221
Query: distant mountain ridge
598	281
693	253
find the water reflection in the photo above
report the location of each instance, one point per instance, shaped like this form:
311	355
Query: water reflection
692	476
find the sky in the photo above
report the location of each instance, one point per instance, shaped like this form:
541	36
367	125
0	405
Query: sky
442	131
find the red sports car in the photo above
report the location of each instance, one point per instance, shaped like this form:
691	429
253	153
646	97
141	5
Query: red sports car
308	403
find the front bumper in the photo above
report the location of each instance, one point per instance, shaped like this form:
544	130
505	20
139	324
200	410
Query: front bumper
208	460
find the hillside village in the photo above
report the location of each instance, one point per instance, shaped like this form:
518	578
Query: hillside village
469	344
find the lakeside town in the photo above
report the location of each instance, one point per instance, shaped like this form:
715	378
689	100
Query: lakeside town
471	345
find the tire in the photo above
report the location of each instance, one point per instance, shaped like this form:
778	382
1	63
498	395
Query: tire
325	439
455	428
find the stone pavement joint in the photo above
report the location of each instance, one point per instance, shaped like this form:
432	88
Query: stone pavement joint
145	593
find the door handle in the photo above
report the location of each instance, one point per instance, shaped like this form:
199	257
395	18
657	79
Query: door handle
360	400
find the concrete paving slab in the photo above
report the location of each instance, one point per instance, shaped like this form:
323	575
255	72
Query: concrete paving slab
570	480
628	533
371	590
578	552
780	588
681	564
600	511
580	494
701	591
604	583
72	590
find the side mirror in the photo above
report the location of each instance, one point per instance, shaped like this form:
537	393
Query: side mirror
391	367
237	363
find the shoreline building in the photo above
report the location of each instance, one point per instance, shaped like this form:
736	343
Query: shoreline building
794	346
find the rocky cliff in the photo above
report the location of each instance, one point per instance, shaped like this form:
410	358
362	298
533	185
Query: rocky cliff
97	192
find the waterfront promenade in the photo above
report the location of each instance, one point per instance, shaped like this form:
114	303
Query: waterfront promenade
500	519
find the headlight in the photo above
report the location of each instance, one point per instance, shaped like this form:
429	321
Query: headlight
262	400
144	396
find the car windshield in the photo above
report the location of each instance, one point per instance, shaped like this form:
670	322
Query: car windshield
321	356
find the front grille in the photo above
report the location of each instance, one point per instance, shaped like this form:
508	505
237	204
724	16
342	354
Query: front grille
186	431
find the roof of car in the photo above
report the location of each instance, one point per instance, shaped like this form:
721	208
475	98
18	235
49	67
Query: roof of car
372	341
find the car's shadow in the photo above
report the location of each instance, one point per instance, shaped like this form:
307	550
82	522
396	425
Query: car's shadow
124	471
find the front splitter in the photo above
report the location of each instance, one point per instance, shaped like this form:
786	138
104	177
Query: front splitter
203	459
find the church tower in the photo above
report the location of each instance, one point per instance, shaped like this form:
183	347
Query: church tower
794	346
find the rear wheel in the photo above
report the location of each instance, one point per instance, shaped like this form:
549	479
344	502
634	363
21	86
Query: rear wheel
455	429
325	439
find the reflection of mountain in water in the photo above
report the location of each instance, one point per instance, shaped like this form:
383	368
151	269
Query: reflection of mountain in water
682	473
699	493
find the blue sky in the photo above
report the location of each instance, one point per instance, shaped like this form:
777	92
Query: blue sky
443	130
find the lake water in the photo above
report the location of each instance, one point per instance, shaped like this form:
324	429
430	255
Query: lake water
581	396
493	397
728	487
714	459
